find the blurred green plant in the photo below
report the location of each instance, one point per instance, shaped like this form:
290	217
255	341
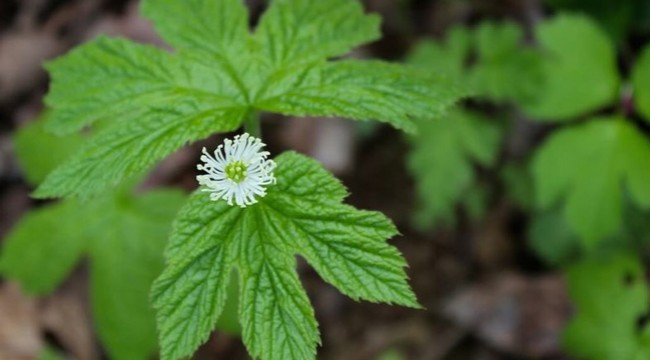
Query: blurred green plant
442	158
611	296
122	234
492	63
586	188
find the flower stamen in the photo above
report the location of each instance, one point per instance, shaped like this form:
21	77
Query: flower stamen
238	172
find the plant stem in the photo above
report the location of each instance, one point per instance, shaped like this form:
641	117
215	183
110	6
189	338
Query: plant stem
252	124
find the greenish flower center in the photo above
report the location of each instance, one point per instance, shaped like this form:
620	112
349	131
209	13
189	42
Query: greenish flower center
236	171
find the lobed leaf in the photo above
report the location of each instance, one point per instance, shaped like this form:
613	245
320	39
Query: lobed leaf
124	149
124	238
302	214
505	69
589	166
155	102
442	160
579	68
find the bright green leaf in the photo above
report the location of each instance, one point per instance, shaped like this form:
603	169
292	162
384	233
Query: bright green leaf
360	90
579	68
302	214
641	83
611	296
120	81
185	25
155	101
292	32
442	161
589	166
130	148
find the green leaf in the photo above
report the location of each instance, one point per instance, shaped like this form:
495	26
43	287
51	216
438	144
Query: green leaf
186	26
124	238
292	32
442	160
641	83
124	263
579	69
130	148
31	143
590	165
611	296
447	57
505	69
120	81
155	102
360	90
303	215
551	238
44	246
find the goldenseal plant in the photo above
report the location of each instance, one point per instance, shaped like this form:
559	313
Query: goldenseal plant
257	214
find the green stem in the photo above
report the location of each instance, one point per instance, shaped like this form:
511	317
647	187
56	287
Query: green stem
252	124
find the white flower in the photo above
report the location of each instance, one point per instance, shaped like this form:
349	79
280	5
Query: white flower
239	171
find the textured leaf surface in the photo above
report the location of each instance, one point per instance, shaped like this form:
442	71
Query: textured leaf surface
125	149
590	167
153	102
301	31
185	24
361	90
116	80
156	101
611	296
641	82
303	215
442	161
124	238
579	69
